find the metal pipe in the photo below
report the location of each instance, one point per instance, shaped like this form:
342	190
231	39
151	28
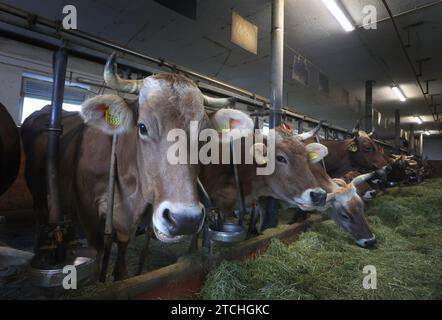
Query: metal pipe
108	229
368	125
300	126
410	62
397	129
421	145
277	72
411	148
54	131
402	13
249	98
276	91
242	204
75	35
116	47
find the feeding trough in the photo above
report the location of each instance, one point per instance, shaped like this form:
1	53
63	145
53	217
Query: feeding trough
226	233
46	272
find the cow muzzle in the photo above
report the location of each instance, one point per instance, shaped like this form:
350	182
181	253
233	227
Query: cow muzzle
367	243
173	220
311	198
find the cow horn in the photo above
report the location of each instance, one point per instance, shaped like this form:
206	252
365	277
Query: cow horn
371	133
259	150
362	133
344	188
355	130
412	163
307	135
363	178
219	102
115	82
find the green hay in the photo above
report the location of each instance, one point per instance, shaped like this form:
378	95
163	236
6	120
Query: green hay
325	263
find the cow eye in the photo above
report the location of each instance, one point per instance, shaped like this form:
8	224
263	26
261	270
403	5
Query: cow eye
143	129
281	159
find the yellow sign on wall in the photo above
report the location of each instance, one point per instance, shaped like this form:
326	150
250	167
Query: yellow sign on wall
244	33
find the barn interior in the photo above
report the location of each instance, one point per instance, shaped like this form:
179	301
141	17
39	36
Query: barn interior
384	75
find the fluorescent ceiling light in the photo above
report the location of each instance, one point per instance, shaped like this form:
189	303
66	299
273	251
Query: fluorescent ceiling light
418	119
427	132
399	93
338	14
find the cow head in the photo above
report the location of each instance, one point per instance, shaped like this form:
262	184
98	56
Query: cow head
346	208
364	152
165	102
291	180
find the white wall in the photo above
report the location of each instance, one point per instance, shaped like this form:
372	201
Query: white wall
17	58
433	148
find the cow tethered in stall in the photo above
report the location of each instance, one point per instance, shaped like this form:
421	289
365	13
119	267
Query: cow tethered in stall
57	247
219	230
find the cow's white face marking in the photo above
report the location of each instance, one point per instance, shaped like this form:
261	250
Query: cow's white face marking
305	202
369	195
152	86
162	222
363	242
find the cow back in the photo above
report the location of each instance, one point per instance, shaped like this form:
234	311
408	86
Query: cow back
9	150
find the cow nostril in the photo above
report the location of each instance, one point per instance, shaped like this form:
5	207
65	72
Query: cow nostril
318	196
167	216
366	243
370	243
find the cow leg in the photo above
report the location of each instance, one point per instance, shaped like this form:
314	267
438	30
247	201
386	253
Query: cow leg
120	269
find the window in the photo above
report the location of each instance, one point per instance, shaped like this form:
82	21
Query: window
265	129
31	105
37	93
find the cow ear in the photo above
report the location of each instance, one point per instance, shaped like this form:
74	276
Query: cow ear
228	119
353	146
109	113
316	152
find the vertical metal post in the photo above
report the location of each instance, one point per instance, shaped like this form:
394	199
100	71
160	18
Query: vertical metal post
421	145
277	72
54	132
300	126
411	147
276	91
397	129
108	227
368	125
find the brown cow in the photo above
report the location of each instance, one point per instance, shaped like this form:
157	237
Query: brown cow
357	154
291	180
366	191
145	180
9	150
345	206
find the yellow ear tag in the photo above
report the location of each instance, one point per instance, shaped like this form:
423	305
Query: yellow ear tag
313	156
112	119
352	147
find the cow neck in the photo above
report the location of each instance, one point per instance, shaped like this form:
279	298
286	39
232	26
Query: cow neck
128	181
254	186
337	158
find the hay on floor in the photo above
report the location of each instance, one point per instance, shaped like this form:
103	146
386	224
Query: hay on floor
325	263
